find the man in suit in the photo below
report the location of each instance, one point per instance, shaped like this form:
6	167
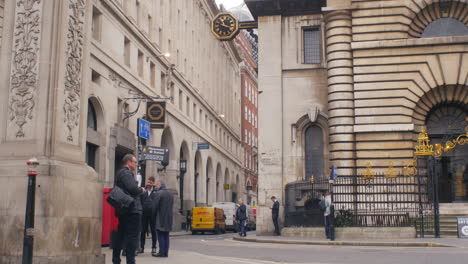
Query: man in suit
275	214
129	220
147	218
241	217
162	209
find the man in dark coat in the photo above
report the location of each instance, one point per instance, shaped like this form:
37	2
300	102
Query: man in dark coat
130	220
147	218
275	214
241	217
162	209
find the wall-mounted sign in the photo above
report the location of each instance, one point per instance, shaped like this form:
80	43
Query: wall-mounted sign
203	145
156	114
143	129
226	186
462	223
249	187
155	154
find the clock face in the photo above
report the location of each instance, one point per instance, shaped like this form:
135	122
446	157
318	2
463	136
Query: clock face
225	26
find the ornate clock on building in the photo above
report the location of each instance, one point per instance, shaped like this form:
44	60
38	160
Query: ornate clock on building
225	26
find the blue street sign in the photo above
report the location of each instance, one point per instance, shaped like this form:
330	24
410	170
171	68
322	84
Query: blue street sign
144	129
203	146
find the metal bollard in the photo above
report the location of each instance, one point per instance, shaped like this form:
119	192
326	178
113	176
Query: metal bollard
28	240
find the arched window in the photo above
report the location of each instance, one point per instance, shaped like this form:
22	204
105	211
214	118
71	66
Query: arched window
92	120
314	152
444	27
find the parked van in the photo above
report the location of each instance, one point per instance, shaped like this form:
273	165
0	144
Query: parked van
251	219
208	219
229	209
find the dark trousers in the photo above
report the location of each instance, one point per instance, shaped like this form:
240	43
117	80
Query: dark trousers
148	220
242	227
275	222
327	226
163	239
129	228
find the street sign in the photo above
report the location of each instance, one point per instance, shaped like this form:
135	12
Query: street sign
156	114
203	145
249	187
462	224
143	129
155	154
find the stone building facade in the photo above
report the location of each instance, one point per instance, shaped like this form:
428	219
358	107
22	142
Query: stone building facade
347	83
78	78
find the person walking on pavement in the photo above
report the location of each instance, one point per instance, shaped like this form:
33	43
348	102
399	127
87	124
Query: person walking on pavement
130	220
326	213
275	214
147	218
162	209
241	217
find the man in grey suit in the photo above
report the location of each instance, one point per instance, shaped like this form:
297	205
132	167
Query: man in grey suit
162	211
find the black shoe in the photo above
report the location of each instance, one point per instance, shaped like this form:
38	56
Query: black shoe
140	251
159	255
153	251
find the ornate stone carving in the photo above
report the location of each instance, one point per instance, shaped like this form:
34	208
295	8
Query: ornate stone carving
24	65
74	54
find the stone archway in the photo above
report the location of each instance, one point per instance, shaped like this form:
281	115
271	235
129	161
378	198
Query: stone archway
437	10
227	192
170	175
185	178
95	139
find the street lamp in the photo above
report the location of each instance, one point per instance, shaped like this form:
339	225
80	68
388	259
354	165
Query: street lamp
182	169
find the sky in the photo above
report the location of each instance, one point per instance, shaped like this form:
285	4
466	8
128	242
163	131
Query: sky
229	3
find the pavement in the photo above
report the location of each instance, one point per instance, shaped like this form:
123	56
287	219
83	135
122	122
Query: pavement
253	249
416	242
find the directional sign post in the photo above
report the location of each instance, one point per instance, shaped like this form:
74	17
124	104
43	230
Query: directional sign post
144	129
155	154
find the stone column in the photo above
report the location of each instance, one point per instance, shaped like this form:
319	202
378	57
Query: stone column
44	57
340	91
270	122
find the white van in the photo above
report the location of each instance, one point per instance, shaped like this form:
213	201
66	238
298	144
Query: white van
230	213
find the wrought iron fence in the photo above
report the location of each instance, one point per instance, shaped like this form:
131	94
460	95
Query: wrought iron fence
378	201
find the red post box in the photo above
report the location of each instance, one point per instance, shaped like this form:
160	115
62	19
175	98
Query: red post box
109	221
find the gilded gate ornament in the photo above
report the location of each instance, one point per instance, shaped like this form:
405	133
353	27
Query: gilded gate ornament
368	173
410	169
24	66
424	148
391	172
74	54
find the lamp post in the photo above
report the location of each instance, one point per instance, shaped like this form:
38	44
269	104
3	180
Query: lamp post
182	169
28	240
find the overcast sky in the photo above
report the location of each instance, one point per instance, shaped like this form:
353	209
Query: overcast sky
229	3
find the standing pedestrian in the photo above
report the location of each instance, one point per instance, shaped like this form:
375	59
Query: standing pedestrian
275	214
129	220
147	218
188	221
241	217
162	209
326	214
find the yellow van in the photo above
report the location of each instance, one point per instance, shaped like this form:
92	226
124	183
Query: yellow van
208	219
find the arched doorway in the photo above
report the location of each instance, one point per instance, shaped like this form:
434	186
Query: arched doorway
167	142
95	156
445	122
184	185
314	158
